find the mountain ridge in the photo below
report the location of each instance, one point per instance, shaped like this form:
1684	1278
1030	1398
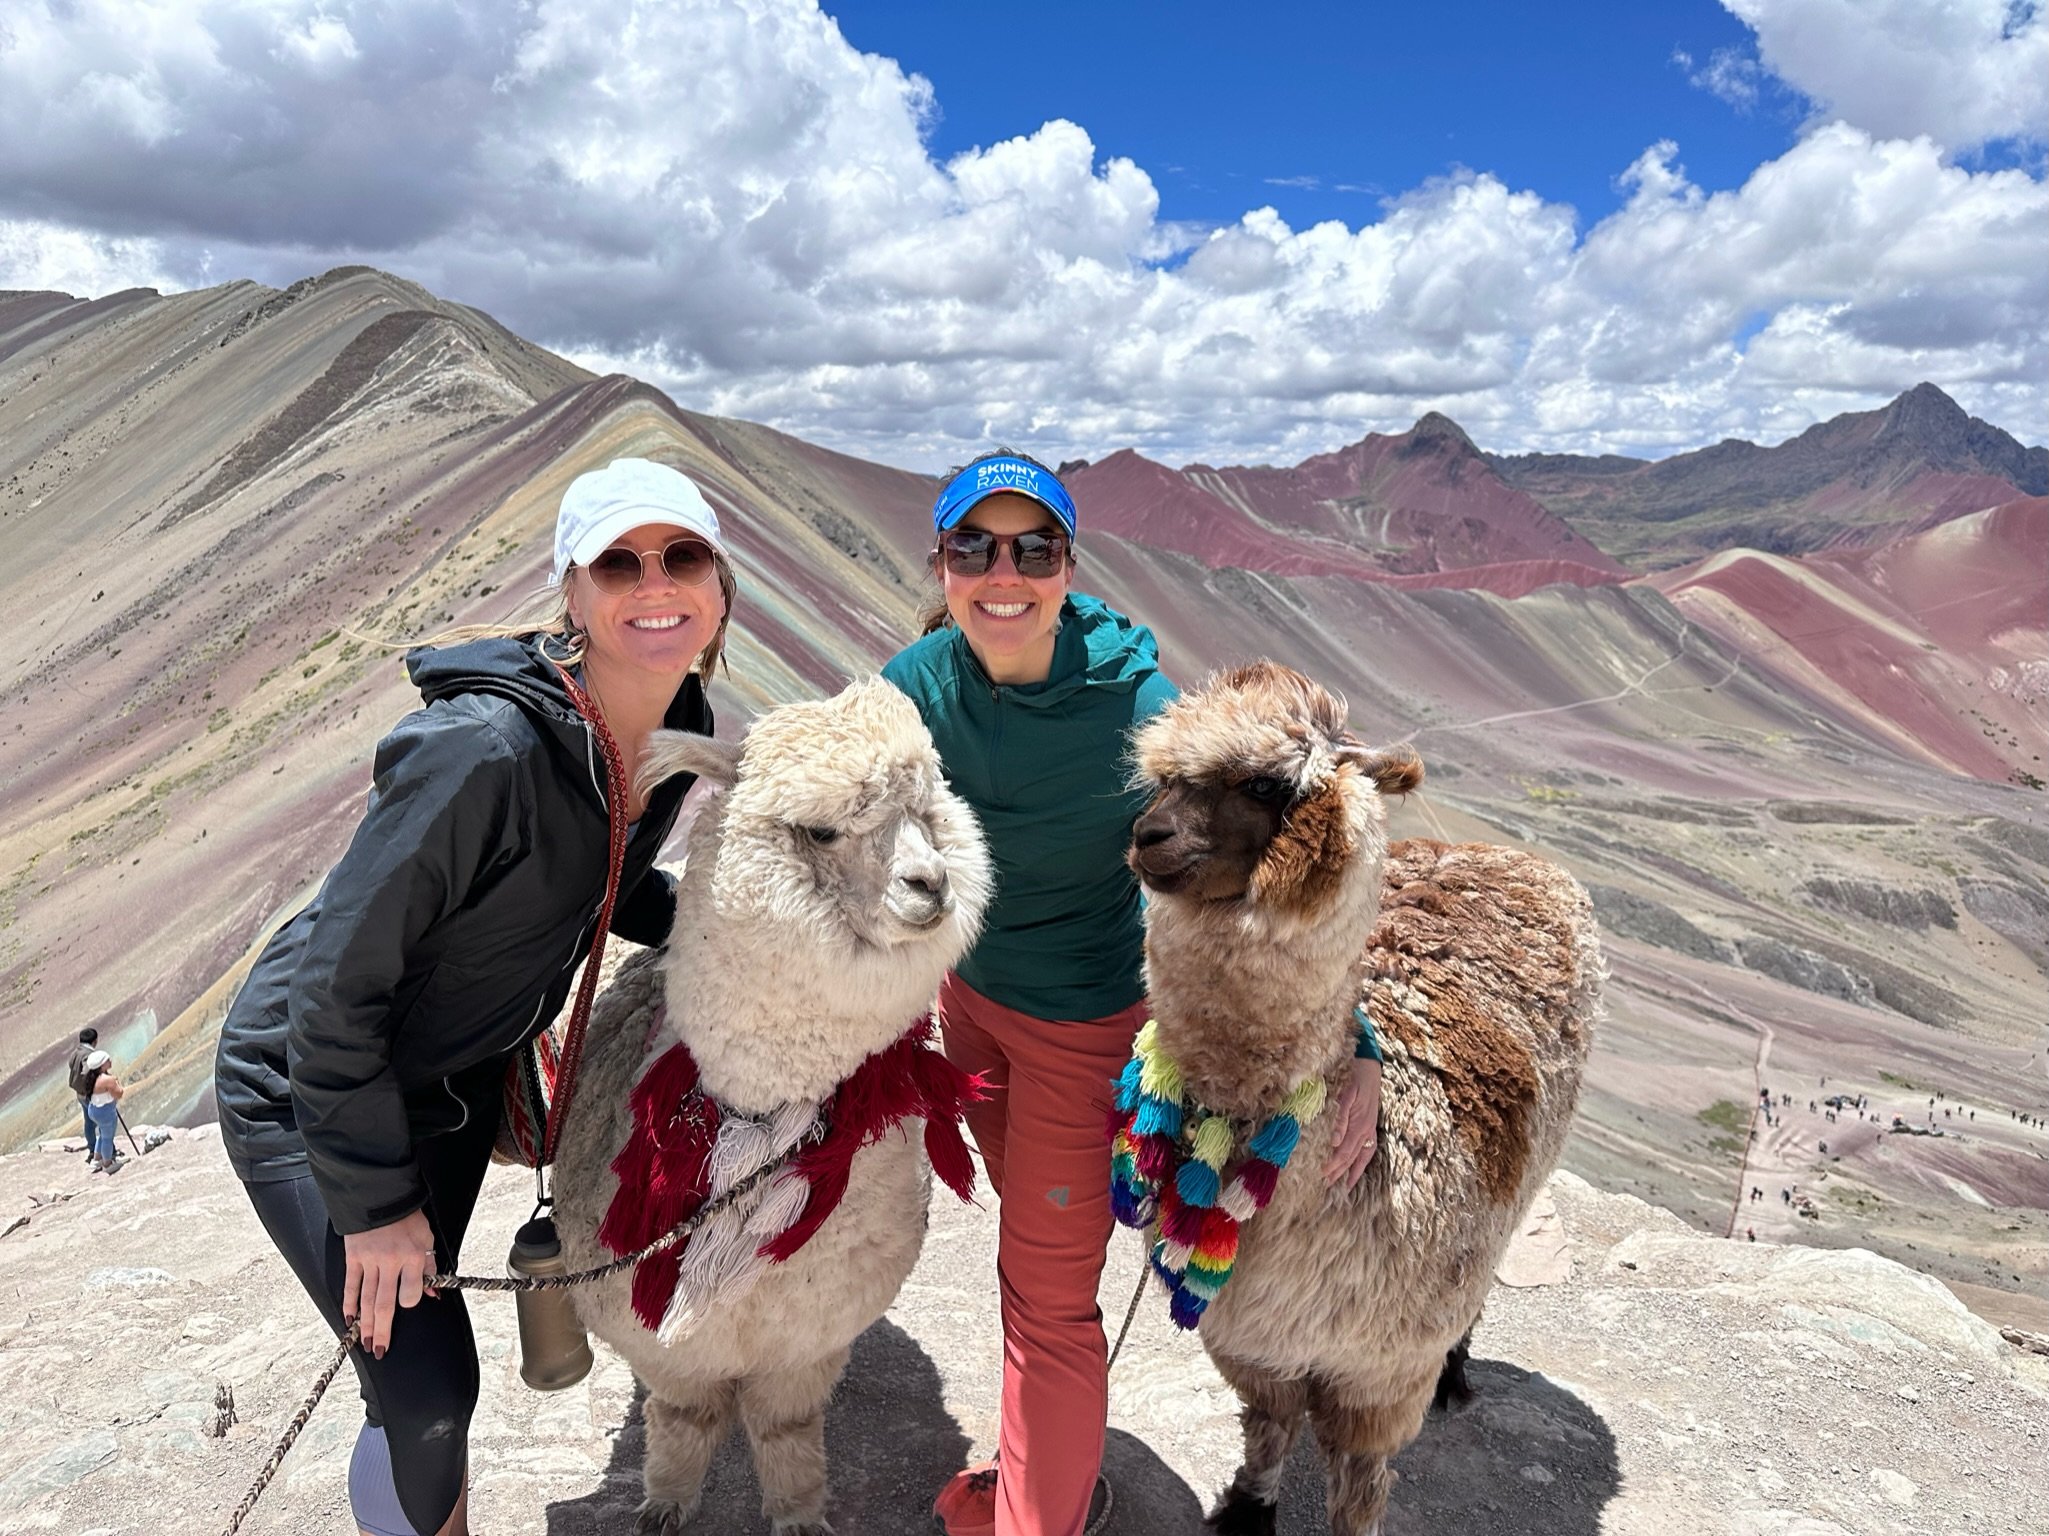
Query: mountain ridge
186	727
1856	479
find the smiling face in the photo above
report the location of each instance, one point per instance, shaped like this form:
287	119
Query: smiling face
659	627
1009	620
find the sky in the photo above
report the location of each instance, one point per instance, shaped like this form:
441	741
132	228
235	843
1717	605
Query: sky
907	228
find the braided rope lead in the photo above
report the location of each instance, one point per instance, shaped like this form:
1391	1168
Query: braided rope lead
1144	1268
669	1239
321	1383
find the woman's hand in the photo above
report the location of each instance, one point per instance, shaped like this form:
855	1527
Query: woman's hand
387	1267
1356	1136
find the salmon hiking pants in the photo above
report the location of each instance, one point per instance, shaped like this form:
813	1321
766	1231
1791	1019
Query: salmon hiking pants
1042	1137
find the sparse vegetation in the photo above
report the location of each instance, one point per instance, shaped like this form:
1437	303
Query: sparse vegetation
1726	1115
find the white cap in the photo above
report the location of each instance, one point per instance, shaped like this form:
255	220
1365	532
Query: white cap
97	1061
601	505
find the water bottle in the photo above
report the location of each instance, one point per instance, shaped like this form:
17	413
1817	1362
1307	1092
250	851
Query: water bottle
554	1351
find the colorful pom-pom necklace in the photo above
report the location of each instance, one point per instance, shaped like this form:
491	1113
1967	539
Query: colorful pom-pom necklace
1168	1159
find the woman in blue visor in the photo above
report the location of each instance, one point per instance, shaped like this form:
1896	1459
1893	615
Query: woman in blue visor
1030	690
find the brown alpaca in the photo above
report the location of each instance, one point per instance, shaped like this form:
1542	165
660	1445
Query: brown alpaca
1275	907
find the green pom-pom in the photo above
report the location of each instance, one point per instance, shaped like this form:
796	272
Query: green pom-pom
1212	1144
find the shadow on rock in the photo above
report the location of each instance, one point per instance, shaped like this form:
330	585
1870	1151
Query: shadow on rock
889	1444
1524	1458
1152	1499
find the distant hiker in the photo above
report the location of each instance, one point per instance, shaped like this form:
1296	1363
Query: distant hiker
361	1071
102	1110
1824	1149
1030	714
81	1079
1751	1233
1786	1195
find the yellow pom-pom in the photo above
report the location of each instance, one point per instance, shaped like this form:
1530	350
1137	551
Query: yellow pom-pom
1306	1102
1212	1142
1159	1076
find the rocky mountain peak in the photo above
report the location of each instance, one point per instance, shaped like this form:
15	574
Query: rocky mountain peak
1924	417
1434	429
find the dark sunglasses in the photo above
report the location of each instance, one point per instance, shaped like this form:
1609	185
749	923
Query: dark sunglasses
618	571
971	551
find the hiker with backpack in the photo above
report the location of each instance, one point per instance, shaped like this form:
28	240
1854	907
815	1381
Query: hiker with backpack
81	1079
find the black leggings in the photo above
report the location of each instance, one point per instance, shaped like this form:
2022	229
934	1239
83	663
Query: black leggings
424	1390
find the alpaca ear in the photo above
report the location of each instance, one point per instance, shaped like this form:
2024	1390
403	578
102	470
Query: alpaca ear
672	752
1394	770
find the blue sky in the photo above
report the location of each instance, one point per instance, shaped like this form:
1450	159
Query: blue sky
1235	233
1381	96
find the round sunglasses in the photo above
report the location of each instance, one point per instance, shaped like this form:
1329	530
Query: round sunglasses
972	551
687	562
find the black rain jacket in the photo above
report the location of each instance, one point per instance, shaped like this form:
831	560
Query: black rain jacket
445	939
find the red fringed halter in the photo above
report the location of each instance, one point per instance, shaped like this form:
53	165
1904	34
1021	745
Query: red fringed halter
664	1173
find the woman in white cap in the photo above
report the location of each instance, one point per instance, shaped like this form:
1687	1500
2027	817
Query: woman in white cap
360	1073
102	1110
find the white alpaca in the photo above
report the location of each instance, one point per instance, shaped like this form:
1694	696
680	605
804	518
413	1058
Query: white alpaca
1275	909
823	898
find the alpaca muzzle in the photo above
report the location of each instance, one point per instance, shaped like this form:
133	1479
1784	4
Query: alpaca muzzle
919	902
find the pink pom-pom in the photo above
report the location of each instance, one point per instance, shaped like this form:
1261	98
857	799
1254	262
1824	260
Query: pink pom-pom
1181	1223
1259	1177
1155	1158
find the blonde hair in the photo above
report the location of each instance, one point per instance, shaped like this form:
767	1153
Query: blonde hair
547	613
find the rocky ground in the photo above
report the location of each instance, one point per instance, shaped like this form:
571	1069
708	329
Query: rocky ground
1651	1380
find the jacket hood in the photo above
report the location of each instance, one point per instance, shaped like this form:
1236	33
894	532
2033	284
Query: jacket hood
1097	647
511	667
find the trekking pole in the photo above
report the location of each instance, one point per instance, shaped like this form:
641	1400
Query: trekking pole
124	1126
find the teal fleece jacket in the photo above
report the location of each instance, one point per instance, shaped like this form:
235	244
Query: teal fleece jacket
1045	765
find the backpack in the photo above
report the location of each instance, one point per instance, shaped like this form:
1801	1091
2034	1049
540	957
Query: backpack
82	1080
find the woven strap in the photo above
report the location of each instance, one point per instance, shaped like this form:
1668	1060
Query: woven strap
587	990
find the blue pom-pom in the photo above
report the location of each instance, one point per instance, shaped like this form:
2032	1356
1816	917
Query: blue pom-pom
1186	1308
1275	1141
1197	1184
1129	1205
1166	1276
1157	1117
1127	1084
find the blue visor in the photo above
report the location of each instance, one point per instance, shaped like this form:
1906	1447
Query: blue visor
993	477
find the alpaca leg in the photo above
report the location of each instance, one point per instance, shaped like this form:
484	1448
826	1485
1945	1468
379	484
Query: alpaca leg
684	1429
1271	1414
1359	1438
784	1415
1452	1386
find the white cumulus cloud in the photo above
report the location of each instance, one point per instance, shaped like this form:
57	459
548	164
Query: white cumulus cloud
725	197
1961	72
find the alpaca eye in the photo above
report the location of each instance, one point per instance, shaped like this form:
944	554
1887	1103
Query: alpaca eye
1265	787
822	835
